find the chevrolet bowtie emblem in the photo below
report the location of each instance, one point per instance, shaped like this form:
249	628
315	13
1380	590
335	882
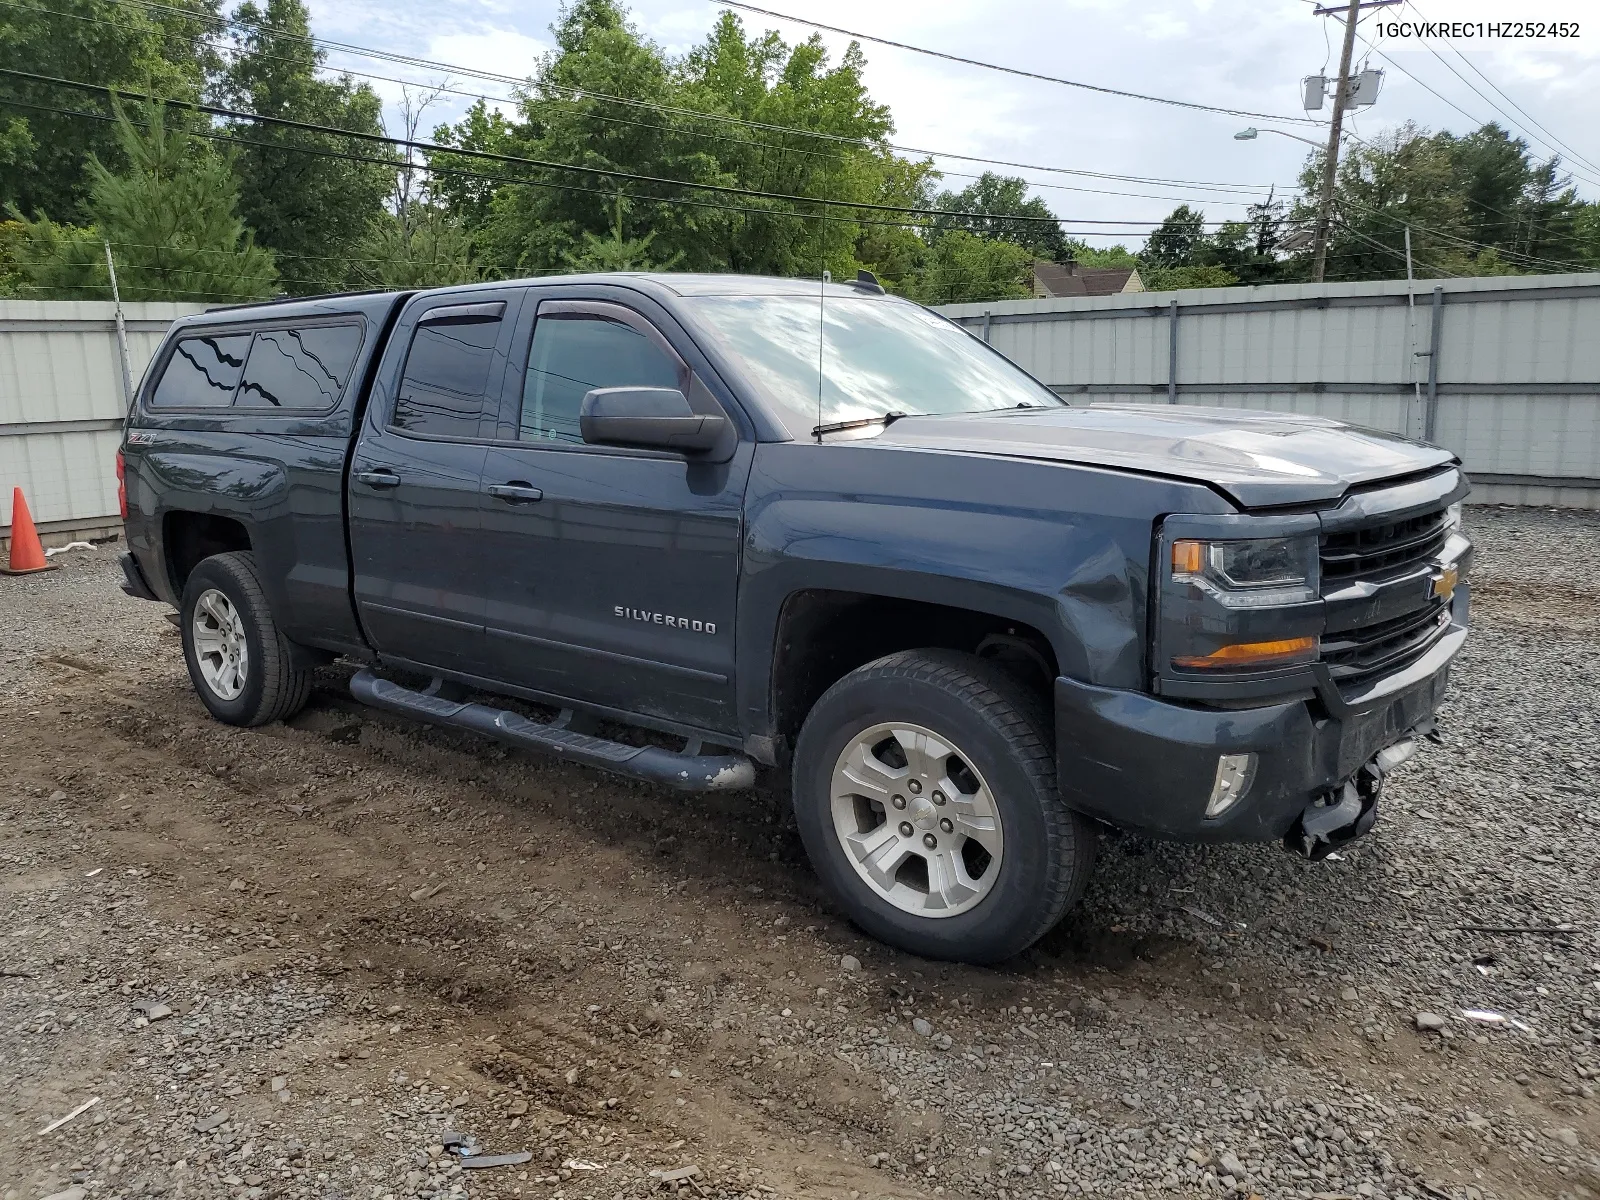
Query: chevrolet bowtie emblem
1444	583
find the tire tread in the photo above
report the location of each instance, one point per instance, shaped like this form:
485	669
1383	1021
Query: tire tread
285	688
1023	720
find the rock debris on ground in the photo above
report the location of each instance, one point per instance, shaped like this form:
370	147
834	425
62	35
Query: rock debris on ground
373	945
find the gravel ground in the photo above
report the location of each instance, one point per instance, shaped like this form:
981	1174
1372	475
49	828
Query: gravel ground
362	935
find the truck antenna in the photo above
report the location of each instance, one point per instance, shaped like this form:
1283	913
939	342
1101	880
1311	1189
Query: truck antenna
822	334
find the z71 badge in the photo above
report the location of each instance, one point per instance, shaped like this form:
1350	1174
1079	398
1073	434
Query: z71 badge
670	621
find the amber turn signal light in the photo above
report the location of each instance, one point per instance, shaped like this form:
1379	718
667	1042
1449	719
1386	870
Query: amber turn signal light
1251	654
1187	557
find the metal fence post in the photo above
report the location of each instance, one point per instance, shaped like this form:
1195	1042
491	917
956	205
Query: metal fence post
122	333
1431	413
1172	353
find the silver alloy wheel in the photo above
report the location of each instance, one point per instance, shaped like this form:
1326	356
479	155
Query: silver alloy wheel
219	644
916	819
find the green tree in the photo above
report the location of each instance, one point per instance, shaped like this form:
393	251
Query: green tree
1000	207
1179	241
760	81
170	214
1117	257
962	267
618	253
310	209
1397	179
1475	205
1490	172
428	248
45	156
1172	279
1586	234
13	237
467	199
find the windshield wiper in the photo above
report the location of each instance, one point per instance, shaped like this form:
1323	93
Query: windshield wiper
886	420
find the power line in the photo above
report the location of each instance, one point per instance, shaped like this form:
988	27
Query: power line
1572	155
1397	253
585	94
740	209
393	164
1553	142
1441	96
1235	189
973	62
602	172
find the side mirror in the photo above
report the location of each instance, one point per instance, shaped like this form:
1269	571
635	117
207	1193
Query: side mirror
648	418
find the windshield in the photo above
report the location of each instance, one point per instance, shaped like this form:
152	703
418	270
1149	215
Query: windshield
881	356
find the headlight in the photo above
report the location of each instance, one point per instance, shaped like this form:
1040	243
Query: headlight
1238	602
1249	573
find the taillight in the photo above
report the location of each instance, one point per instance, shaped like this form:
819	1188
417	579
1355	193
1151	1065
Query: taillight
122	488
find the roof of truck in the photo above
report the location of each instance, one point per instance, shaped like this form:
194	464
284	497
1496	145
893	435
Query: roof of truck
679	284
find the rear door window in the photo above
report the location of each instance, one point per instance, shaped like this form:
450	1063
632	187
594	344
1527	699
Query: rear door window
304	368
450	369
203	372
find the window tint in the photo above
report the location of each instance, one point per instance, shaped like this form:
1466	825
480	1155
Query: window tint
299	368
202	372
574	353
447	373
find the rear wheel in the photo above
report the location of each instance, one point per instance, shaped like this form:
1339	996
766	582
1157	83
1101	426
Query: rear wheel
240	664
925	791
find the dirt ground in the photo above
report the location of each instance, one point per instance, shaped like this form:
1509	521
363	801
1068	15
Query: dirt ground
369	934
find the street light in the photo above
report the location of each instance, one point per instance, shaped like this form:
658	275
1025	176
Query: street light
1250	135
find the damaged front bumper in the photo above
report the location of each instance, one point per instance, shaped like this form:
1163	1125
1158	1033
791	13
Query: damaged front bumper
1146	764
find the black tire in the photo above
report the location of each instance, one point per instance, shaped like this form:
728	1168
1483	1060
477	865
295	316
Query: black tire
274	689
1006	730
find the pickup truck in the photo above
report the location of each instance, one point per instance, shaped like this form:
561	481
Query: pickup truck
683	527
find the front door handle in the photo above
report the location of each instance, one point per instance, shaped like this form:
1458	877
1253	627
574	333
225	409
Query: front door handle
380	478
515	492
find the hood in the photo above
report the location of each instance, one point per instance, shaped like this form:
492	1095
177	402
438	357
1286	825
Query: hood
1257	459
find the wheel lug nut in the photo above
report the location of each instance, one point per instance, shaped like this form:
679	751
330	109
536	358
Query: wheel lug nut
905	829
914	786
947	825
938	797
898	801
931	842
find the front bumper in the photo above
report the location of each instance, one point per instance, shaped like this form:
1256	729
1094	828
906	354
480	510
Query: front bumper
1145	764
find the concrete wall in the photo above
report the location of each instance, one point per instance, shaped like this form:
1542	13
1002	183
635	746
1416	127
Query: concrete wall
1515	392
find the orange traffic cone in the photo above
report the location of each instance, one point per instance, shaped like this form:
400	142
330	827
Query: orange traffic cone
27	555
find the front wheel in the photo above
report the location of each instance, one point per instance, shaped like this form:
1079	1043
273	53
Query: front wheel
925	791
240	664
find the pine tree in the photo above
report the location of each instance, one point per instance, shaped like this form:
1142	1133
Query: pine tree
171	217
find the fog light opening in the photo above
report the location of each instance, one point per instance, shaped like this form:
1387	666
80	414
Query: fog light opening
1235	773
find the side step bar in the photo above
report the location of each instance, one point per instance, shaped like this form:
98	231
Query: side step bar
685	772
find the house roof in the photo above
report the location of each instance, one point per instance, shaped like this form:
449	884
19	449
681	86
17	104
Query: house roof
1070	279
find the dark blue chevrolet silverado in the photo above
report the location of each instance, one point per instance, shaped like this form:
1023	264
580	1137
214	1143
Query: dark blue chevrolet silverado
807	526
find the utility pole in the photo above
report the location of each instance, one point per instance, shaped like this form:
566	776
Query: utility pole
122	333
1330	165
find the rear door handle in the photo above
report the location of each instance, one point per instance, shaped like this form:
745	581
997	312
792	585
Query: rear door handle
515	492
380	478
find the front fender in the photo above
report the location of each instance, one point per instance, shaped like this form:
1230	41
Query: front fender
1063	549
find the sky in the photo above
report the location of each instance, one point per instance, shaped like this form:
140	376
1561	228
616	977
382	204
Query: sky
1241	54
